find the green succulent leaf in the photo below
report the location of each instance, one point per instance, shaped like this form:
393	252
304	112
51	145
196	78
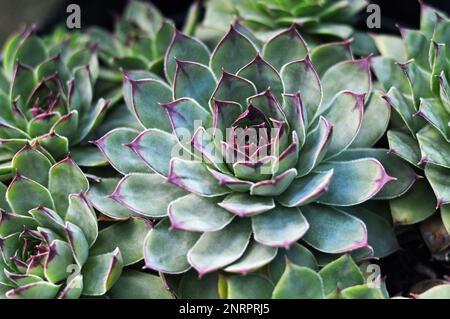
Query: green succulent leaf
340	274
416	205
165	249
404	146
232	53
363	179
59	174
184	48
35	290
37	195
194	177
255	257
299	283
332	230
346	76
243	205
98	197
143	97
296	254
101	272
438	178
280	227
80	213
128	236
134	190
195	81
252	286
123	159
31	163
133	284
217	249
292	44
195	213
263	75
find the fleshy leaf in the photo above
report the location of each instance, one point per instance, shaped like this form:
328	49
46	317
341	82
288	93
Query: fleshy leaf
375	121
37	195
184	48
195	81
315	147
255	257
186	115
438	178
36	290
233	88
345	114
194	177
98	197
280	227
134	191
143	97
404	175
434	148
404	146
31	163
155	148
308	84
58	185
263	75
128	236
306	189
244	205
201	214
352	76
80	213
101	272
353	182
332	230
299	283
252	286
232	53
290	43
123	159
296	254
166	250
340	274
275	186
133	284
416	205
215	250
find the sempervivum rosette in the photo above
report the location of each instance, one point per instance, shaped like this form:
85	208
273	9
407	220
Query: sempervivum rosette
50	243
315	18
419	91
46	95
140	39
249	149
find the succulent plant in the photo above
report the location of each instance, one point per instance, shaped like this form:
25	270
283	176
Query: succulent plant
248	151
139	41
315	19
50	241
414	71
46	97
293	274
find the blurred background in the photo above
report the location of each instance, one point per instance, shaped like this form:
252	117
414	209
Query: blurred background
49	13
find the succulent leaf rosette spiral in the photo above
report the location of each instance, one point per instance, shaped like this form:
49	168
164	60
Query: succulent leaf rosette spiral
140	39
50	242
246	152
418	90
46	96
314	18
